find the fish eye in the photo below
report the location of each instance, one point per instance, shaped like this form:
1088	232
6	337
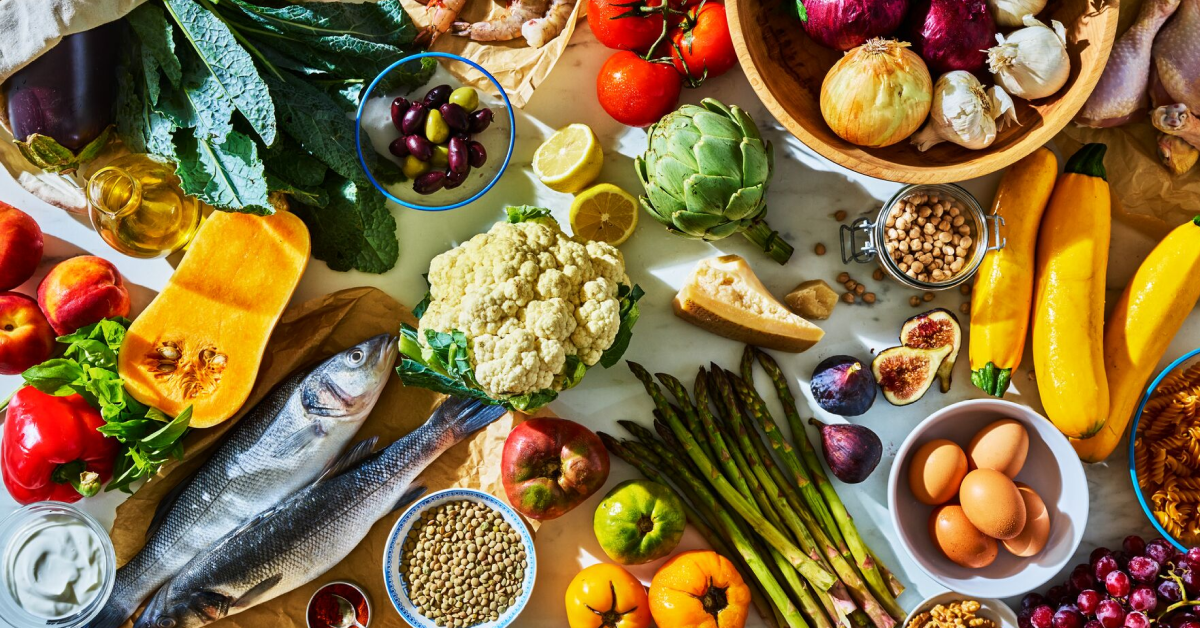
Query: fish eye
356	356
165	622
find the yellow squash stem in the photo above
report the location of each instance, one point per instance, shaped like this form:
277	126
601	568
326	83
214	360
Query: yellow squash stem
1068	313
1003	294
1149	314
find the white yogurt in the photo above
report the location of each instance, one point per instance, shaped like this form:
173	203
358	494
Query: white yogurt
55	566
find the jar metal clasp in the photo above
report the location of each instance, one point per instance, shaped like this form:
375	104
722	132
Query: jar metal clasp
851	249
1000	241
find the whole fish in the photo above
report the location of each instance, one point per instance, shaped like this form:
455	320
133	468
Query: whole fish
313	530
278	448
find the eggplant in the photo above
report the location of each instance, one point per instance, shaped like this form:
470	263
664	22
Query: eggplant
67	96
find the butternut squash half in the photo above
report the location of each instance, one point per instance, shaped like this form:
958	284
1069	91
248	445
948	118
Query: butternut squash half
201	340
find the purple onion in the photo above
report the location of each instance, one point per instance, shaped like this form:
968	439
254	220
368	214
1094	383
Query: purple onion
419	147
844	24
414	119
481	120
430	182
951	34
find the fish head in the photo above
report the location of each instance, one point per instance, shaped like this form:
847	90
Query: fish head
185	609
348	384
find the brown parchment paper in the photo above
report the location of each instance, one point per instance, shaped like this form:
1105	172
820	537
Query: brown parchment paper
517	66
307	333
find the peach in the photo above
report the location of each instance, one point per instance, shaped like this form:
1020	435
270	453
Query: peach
26	338
80	291
20	246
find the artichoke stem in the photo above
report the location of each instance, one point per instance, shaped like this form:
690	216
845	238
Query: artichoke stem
769	240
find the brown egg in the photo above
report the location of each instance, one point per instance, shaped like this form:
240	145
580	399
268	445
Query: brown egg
1033	536
1002	446
960	541
936	470
993	504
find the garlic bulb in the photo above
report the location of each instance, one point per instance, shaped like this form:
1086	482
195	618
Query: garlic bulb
1008	13
965	113
1032	62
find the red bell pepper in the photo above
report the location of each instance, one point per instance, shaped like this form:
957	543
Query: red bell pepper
51	448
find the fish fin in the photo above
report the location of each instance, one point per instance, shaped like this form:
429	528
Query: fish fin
208	604
301	438
467	415
251	597
409	497
166	504
356	454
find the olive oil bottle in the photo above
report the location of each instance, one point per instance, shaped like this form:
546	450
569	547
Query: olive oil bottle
137	206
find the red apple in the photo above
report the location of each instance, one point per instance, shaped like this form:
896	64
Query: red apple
80	291
550	466
26	338
20	246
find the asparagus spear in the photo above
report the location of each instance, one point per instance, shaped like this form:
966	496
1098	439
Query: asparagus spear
862	554
766	610
687	413
813	572
757	566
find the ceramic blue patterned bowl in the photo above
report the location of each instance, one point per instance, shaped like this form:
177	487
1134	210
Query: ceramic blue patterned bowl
1178	365
397	588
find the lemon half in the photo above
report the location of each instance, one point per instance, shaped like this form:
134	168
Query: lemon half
605	213
570	160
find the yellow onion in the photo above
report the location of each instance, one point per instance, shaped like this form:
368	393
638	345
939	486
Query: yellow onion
877	94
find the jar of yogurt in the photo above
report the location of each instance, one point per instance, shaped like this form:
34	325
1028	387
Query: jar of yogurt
58	567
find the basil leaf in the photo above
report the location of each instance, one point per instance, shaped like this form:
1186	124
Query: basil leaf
228	62
169	433
57	376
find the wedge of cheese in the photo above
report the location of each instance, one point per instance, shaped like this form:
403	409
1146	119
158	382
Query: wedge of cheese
725	297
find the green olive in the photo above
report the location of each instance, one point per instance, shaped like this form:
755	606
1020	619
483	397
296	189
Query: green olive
414	167
465	97
441	156
436	129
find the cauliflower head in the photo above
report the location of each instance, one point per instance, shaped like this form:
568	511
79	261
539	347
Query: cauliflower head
529	306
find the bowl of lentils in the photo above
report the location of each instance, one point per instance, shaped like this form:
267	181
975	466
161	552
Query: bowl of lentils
459	558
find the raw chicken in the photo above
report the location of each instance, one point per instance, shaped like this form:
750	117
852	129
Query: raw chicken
1177	56
1121	95
1177	120
1176	154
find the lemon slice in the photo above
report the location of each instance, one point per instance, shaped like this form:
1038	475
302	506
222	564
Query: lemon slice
570	160
605	213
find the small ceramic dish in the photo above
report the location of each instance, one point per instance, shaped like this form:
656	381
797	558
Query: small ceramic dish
1178	365
397	588
1051	468
366	598
383	169
989	608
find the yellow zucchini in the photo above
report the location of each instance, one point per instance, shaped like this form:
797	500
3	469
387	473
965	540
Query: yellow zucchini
1002	297
1153	307
1068	313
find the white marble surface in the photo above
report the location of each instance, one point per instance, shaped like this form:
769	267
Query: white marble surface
806	191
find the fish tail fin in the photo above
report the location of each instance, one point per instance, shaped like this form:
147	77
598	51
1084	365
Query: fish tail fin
467	415
111	616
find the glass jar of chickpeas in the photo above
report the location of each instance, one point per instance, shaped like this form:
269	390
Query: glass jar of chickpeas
928	237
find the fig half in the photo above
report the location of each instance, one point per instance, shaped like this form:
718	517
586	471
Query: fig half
932	329
906	373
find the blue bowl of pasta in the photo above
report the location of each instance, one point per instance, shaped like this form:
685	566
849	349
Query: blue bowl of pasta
1164	451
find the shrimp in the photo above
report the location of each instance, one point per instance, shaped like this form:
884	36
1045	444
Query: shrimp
440	14
505	27
539	31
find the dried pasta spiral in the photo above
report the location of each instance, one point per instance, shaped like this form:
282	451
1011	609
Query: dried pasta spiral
1167	454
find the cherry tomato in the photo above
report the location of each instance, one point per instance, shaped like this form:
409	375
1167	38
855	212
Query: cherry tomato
703	39
635	91
634	27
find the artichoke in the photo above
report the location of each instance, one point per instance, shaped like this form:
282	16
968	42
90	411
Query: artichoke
706	172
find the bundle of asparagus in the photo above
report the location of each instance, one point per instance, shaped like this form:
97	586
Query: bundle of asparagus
784	525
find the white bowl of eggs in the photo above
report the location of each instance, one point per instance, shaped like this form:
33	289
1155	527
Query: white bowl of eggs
988	498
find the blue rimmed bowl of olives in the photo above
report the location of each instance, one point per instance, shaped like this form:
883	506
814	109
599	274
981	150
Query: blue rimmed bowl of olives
438	146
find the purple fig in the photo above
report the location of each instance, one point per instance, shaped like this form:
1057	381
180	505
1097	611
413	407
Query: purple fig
843	385
399	148
481	120
419	147
399	106
430	182
851	451
478	156
455	116
414	119
438	96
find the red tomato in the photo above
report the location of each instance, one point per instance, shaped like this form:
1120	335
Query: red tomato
635	91
634	26
703	39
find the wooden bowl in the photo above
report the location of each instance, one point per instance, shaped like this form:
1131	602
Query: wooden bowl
786	69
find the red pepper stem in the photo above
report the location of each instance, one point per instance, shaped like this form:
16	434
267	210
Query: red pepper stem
76	474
